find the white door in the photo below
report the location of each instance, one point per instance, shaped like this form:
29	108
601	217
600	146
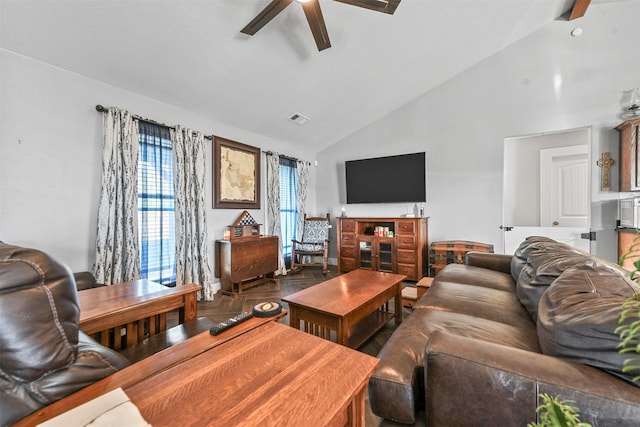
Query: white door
564	187
546	188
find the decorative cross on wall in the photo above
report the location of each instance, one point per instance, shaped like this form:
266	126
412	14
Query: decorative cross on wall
605	162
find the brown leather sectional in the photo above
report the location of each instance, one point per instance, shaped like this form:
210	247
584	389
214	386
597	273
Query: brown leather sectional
491	335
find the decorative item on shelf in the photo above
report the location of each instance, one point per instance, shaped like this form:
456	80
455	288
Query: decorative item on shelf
634	105
244	226
344	212
381	231
605	162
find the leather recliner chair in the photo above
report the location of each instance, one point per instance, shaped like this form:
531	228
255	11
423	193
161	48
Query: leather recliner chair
43	354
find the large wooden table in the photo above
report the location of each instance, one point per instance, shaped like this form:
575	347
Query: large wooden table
259	373
133	308
352	306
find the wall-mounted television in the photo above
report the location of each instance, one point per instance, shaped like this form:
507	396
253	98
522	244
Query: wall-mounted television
391	179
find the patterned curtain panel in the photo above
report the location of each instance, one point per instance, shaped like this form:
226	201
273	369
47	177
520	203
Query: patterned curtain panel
273	206
301	190
192	254
117	254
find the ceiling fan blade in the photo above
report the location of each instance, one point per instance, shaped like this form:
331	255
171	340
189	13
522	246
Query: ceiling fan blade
316	23
385	6
579	9
267	14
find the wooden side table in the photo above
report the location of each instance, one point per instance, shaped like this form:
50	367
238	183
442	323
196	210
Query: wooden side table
107	311
245	262
411	295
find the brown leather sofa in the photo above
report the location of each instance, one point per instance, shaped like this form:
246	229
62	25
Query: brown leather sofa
43	354
491	335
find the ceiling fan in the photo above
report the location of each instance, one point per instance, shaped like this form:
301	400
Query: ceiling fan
314	16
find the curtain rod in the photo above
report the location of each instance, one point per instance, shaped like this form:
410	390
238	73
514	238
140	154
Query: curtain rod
286	157
102	109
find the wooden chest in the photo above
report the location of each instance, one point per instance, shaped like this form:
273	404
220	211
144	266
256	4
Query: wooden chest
242	259
452	251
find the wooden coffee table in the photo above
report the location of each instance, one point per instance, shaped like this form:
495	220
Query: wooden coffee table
352	307
264	375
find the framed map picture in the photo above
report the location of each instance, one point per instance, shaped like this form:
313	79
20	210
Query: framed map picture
236	175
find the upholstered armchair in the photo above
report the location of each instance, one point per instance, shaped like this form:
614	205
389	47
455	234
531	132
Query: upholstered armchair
315	242
43	354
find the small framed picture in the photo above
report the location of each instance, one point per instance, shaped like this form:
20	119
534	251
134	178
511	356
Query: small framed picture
236	175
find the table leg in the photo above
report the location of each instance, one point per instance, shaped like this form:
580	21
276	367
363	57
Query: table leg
190	308
398	304
342	334
294	322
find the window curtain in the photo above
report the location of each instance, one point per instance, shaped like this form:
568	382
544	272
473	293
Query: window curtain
301	190
117	250
273	206
192	254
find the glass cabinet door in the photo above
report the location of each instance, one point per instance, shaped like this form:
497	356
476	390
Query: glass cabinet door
385	256
366	255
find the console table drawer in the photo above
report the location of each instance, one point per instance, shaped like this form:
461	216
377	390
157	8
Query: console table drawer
406	227
406	242
348	252
409	270
406	257
348	239
348	226
347	264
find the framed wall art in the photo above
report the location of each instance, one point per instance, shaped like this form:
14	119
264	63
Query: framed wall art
236	175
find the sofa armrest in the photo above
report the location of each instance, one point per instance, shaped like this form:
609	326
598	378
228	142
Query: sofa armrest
498	262
85	280
500	385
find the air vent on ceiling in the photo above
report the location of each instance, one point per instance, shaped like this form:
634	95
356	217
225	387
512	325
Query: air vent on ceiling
299	118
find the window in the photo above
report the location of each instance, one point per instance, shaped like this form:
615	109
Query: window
288	204
156	207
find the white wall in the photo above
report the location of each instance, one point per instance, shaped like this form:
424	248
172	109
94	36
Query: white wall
547	82
50	157
51	136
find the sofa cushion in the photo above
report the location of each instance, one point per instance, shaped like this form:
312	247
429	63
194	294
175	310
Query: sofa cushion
541	269
479	301
395	389
477	276
520	256
579	313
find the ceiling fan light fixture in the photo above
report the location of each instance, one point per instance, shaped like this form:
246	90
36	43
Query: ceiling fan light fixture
314	16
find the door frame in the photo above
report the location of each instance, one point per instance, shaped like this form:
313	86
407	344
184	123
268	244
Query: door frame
522	200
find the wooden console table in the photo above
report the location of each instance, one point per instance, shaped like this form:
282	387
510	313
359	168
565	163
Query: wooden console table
107	310
270	375
245	262
402	248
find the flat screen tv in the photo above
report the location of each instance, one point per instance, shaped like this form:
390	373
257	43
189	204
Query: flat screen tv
391	179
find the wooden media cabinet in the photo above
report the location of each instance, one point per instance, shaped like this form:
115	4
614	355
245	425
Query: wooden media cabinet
394	245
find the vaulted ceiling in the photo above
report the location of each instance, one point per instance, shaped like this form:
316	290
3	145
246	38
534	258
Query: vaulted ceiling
191	54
